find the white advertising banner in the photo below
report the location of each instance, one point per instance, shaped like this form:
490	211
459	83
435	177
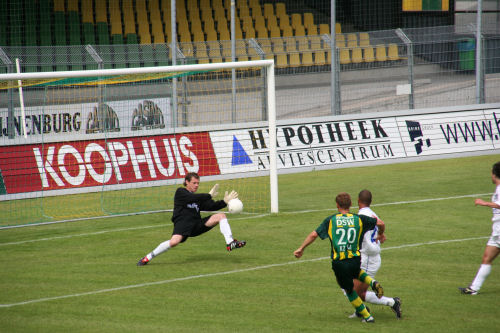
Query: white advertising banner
75	121
309	144
329	143
451	132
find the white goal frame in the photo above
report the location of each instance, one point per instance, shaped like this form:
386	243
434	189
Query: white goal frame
270	97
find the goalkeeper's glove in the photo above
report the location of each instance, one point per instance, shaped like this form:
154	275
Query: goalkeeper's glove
213	192
230	196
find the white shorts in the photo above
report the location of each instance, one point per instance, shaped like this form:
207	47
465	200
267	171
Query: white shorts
494	241
371	263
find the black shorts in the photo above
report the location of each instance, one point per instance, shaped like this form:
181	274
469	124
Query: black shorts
345	271
191	228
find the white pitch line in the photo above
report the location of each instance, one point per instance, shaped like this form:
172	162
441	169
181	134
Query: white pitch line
192	277
247	217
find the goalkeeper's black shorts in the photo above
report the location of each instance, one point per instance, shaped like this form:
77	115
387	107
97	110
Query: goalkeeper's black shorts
191	228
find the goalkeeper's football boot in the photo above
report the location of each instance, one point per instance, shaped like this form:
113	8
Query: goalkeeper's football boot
143	261
235	244
468	291
396	308
377	288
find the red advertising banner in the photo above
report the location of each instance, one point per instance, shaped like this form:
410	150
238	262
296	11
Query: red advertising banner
74	164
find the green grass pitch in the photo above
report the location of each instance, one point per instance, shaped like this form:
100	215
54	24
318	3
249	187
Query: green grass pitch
82	276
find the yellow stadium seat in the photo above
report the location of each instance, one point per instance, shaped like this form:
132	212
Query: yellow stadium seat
296	20
324	29
212	35
202	53
275	32
357	55
262	32
393	52
284	21
300	30
72	6
198	36
226	49
158	38
101	12
308	20
268	10
87	11
280	9
380	53
344	56
368	54
294	59
272	22
256	11
266	46
319	58
244	11
303	43
340	40
59	5
312	30
187	49
307	59
224	35
281	60
287	31
278	45
352	40
364	39
338	29
249	33
291	44
214	51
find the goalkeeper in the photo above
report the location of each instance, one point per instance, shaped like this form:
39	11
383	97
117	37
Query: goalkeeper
188	221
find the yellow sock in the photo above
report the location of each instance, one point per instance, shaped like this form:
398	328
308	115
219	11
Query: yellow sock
358	304
363	277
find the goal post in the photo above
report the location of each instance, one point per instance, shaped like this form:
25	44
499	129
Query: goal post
110	141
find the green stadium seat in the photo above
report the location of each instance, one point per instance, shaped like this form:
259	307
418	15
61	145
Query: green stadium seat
61	58
30	59
88	33
161	54
119	52
102	33
60	28
133	54
75	37
148	55
105	53
76	57
46	58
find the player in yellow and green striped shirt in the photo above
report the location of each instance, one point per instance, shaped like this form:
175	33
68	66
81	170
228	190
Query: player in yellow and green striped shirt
345	232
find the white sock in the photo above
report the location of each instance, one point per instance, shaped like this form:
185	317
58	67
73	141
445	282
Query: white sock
225	230
159	250
371	297
481	275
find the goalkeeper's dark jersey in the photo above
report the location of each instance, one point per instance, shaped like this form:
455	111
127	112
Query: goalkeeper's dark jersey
346	232
187	205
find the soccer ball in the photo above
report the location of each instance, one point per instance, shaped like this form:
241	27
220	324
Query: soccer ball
235	206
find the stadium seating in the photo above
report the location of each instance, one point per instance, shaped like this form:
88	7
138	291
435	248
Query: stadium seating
132	26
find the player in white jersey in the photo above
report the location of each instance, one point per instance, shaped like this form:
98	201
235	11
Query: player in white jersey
370	259
493	245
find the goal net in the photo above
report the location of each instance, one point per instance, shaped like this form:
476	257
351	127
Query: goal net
83	144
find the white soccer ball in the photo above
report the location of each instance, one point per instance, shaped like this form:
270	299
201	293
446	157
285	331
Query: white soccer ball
235	206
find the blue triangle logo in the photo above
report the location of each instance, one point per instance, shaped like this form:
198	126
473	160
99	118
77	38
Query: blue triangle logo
239	154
